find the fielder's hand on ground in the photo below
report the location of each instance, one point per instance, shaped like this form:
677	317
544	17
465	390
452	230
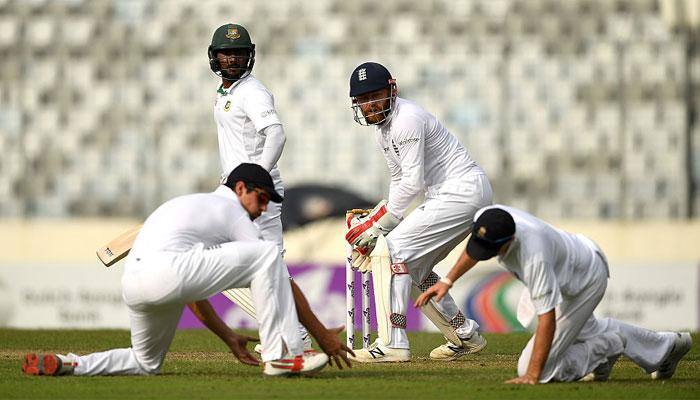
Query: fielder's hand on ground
335	349
237	344
523	380
438	290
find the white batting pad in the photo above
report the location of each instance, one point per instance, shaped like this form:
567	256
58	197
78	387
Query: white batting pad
381	278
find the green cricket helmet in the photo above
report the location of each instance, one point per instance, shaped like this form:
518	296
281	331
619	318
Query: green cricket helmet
231	37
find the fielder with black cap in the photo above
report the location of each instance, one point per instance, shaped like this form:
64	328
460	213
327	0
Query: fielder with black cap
401	250
566	276
189	249
248	127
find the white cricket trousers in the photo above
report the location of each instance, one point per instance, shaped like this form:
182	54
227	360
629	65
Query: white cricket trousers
425	237
269	224
157	286
582	342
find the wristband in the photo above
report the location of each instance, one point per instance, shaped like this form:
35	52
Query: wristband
446	281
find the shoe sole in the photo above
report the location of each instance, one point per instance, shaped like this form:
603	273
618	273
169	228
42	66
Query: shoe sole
462	353
456	355
35	365
314	371
302	372
379	360
450	358
688	342
31	365
51	364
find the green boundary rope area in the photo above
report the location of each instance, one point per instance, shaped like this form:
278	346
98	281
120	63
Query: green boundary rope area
199	367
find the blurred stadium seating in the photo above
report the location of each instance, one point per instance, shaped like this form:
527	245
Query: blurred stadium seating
576	109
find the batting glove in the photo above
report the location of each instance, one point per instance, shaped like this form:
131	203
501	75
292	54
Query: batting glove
364	231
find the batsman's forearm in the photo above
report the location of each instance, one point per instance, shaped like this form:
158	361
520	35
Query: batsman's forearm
306	316
205	313
546	325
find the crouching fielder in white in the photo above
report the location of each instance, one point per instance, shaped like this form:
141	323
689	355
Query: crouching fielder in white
566	276
422	156
189	249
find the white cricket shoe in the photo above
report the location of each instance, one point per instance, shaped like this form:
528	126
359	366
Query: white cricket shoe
601	373
450	352
681	346
308	345
307	364
378	352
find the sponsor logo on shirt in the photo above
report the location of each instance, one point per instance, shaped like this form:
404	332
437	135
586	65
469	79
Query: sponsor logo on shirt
227	106
396	149
407	141
396	145
267	113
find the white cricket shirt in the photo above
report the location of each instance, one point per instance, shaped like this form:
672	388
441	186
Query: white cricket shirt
551	262
208	218
241	113
421	154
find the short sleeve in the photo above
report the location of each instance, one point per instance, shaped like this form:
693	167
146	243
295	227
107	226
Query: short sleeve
542	283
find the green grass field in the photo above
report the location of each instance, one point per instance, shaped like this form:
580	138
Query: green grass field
198	366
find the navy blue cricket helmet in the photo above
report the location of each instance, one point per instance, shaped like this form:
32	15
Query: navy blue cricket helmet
370	77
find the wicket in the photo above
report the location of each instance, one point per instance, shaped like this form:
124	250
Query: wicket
350	295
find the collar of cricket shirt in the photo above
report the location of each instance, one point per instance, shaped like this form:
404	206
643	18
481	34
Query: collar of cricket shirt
226	91
225	191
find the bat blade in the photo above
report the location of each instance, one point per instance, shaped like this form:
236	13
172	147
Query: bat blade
118	248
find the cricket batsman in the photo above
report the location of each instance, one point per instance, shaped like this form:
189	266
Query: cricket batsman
566	275
249	128
401	250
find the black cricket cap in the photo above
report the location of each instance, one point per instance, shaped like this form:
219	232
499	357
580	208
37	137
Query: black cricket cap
368	77
490	231
255	175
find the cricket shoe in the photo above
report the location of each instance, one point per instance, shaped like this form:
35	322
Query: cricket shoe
308	348
47	364
601	373
378	352
681	346
307	364
449	351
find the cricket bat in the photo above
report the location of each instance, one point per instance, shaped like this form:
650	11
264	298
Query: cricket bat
118	248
